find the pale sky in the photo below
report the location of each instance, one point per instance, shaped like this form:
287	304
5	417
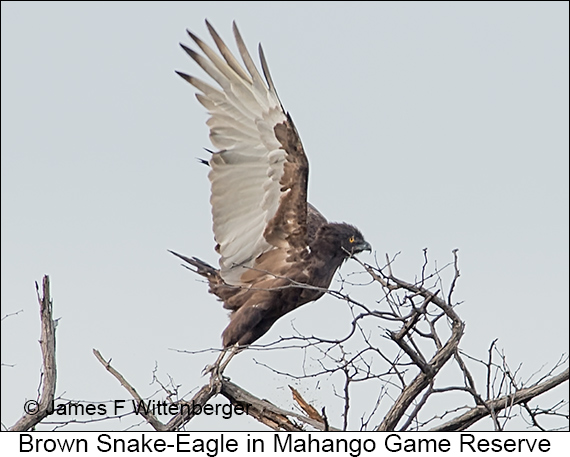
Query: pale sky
427	125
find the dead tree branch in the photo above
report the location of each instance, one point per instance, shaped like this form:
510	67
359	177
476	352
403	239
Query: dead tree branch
518	398
44	405
150	418
267	413
262	410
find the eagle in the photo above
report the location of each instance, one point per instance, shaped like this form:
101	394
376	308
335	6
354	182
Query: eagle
276	250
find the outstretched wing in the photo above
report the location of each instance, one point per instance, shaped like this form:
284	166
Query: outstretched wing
259	172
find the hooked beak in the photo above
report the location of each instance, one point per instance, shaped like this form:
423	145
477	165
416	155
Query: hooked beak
364	246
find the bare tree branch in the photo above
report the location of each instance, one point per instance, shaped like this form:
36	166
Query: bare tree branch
429	371
422	380
266	412
262	410
422	329
520	397
150	418
44	406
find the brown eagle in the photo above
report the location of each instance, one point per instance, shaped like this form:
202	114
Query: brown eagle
277	252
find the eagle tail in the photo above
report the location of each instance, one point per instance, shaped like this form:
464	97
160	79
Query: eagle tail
200	267
217	285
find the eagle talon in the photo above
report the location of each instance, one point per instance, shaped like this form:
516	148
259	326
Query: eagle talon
216	383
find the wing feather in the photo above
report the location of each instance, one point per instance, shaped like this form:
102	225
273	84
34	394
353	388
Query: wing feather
227	55
266	73
259	173
247	60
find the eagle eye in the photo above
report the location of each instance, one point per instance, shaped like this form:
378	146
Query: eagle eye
351	239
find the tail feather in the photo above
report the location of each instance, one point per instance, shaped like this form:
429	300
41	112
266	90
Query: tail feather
217	285
201	267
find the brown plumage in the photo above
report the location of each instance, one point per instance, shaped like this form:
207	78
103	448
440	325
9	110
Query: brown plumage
277	252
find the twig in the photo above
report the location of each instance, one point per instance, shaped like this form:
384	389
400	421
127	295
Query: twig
15	313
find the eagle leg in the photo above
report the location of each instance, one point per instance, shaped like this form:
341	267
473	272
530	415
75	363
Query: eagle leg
218	367
232	351
214	366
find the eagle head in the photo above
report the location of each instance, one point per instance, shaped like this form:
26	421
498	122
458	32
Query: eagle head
343	239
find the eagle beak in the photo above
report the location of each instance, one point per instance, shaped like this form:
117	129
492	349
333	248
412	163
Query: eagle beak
364	246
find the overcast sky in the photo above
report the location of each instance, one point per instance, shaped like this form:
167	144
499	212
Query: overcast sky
427	125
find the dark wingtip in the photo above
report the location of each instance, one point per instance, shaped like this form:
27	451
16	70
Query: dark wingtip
235	28
188	51
184	76
194	37
209	26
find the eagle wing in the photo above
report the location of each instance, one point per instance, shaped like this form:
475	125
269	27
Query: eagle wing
258	173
